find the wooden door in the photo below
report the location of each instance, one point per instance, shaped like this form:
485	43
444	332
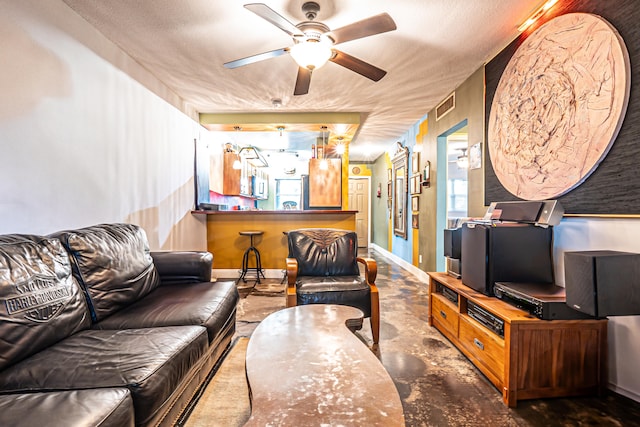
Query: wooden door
359	201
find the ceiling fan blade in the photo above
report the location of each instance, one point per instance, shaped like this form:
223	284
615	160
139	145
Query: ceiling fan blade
302	81
268	14
357	65
255	58
367	27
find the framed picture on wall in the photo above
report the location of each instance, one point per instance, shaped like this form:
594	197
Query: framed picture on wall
415	203
414	221
475	156
416	184
415	162
400	162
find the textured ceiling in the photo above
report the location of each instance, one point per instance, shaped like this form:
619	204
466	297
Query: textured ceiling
437	45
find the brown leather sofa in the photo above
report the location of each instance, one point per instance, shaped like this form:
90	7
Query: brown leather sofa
96	330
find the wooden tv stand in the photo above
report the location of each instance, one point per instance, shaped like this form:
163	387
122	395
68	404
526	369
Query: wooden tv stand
534	358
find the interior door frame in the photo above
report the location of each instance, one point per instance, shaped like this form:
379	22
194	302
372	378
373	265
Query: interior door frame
441	193
368	178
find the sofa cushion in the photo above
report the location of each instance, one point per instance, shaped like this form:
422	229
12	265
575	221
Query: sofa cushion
342	290
40	301
107	407
151	363
211	305
324	251
112	262
183	266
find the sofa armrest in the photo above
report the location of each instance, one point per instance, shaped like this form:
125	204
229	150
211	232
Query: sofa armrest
292	276
183	267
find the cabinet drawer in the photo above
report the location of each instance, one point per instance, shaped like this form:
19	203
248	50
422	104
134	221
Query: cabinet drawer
487	347
444	315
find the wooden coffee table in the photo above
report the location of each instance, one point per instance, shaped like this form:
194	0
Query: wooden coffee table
305	367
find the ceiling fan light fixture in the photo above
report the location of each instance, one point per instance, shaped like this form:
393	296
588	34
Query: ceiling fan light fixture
463	160
311	54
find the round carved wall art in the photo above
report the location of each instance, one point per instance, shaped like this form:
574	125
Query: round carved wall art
558	106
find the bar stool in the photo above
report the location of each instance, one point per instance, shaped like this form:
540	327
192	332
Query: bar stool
245	259
284	272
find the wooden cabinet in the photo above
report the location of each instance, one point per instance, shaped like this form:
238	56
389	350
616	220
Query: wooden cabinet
223	178
247	181
523	356
325	185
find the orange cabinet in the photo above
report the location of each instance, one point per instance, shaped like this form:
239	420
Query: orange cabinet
325	185
231	178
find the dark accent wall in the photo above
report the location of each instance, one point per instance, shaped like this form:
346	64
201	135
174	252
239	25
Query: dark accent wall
613	188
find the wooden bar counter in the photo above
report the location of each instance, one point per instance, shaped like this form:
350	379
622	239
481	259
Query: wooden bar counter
227	246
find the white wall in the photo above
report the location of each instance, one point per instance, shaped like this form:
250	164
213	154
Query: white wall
81	142
622	234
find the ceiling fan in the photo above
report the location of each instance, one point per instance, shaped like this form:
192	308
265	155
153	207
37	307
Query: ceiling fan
314	41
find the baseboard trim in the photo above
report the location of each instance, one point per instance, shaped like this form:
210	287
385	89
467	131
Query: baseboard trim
423	276
231	273
624	392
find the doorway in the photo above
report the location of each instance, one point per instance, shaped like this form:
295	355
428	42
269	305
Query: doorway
457	177
452	187
359	201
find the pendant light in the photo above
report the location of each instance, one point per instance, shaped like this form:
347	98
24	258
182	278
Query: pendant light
324	165
463	160
237	165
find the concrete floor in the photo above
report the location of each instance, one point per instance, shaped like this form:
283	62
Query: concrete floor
438	386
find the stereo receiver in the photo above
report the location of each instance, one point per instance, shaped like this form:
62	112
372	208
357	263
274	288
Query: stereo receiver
488	320
546	301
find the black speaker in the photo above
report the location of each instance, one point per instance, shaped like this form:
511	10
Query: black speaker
603	283
453	242
505	252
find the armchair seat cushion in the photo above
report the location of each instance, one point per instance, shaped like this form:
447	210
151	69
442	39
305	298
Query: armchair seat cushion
342	290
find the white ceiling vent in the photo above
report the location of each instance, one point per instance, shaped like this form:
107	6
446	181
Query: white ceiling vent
446	106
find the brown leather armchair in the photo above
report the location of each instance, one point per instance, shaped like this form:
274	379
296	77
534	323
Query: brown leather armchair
322	268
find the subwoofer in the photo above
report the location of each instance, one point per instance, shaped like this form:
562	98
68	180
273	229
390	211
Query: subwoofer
603	283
